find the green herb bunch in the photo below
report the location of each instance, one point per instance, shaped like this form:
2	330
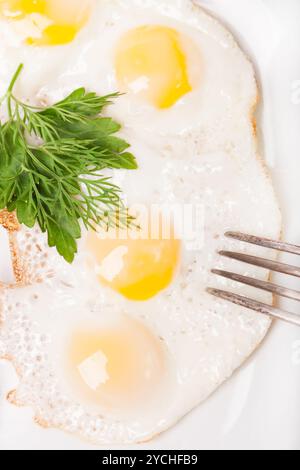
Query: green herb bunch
50	162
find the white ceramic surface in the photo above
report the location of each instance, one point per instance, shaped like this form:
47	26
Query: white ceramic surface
259	407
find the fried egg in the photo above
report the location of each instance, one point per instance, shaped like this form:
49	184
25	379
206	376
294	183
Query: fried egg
45	22
120	345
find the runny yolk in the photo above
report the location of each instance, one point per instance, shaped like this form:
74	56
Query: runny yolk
151	60
47	22
137	269
117	366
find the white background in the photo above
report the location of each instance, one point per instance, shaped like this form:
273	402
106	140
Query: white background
259	407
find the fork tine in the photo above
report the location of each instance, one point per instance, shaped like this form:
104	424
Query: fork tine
259	307
265	242
263	263
266	286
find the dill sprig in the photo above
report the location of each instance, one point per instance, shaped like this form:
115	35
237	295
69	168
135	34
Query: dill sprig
50	166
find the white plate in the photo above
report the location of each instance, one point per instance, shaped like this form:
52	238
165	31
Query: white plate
259	407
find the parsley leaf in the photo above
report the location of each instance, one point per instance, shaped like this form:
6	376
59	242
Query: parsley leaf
50	166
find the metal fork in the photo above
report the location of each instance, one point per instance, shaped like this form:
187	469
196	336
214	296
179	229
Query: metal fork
262	308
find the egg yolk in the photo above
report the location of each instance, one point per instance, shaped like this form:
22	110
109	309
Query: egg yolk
116	367
151	60
137	269
47	22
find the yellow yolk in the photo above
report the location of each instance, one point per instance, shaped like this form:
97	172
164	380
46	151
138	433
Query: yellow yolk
47	22
137	269
151	60
116	367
